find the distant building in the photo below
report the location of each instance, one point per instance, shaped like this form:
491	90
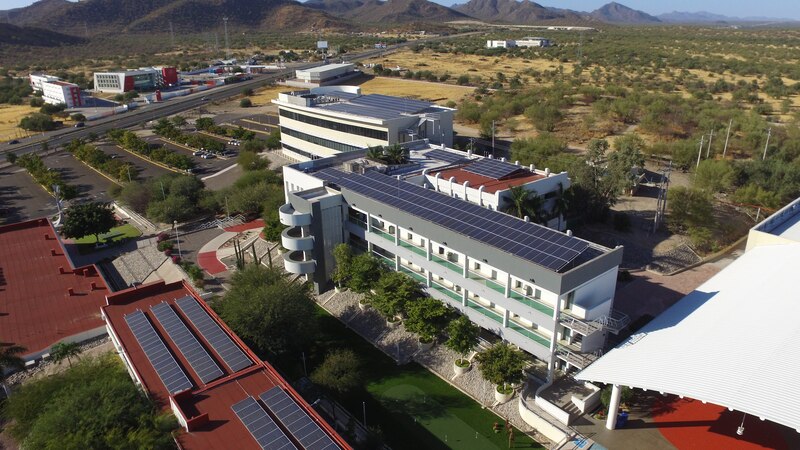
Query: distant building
324	75
36	80
55	92
144	79
320	122
524	42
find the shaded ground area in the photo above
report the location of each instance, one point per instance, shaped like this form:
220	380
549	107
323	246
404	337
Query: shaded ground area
21	198
91	185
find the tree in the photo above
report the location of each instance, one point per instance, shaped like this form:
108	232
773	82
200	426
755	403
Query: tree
462	337
178	120
627	155
522	202
393	291
247	92
626	395
11	157
365	271
343	255
341	372
502	365
65	350
78	117
427	317
9	357
37	122
714	176
690	207
245	103
251	161
266	310
86	219
540	151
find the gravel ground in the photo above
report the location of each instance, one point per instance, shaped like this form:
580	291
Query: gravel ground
49	367
403	347
674	259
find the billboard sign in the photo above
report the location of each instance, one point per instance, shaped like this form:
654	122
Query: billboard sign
322	45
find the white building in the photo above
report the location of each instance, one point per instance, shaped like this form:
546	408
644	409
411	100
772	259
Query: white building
56	92
500	44
324	75
533	42
143	79
325	121
36	80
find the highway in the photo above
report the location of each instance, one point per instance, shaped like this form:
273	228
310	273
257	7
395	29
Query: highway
153	111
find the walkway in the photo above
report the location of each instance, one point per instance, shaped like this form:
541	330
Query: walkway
209	256
403	347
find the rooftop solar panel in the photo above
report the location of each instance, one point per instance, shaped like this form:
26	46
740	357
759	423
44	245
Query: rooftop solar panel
492	168
168	370
261	426
529	241
231	354
187	343
448	157
297	421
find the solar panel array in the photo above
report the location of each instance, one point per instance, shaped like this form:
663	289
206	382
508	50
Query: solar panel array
448	157
297	421
187	343
492	168
378	106
168	370
261	426
231	354
535	243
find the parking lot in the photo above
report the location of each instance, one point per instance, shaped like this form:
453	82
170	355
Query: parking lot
145	168
203	166
261	124
91	185
21	198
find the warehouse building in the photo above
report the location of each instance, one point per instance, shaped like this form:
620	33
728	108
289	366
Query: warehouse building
324	75
144	79
325	121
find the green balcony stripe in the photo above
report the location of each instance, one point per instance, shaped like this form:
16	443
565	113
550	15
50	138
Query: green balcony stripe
486	312
454	295
415	275
412	247
382	234
454	267
359	223
488	283
539	306
529	334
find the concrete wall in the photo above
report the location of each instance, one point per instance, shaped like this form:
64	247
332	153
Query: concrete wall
541	425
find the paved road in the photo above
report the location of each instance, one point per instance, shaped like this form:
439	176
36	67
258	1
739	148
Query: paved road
203	166
21	198
91	185
145	169
174	106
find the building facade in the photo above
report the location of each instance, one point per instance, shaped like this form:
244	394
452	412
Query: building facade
326	74
56	92
326	121
524	42
547	292
36	80
144	79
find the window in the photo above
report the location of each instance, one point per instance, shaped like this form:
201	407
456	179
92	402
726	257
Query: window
537	294
441	250
518	284
570	300
336	126
477	266
338	146
409	236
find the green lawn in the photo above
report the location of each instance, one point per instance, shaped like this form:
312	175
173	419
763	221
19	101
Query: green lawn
414	408
116	233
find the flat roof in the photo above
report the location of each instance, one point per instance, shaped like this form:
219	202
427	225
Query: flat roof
491	185
535	243
36	307
206	407
61	83
327	68
379	106
733	341
784	223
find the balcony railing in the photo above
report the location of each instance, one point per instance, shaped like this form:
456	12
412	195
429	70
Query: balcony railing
488	282
580	360
532	302
414	274
448	264
485	311
357	222
413	247
446	291
382	234
529	333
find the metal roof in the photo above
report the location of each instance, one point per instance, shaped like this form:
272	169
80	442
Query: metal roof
326	68
529	241
378	106
733	341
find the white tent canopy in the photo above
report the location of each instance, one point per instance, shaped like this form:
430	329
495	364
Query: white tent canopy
734	341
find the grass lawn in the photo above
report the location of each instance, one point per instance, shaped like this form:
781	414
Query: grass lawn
86	244
413	407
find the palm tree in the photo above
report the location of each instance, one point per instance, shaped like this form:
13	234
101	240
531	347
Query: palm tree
561	205
395	154
9	357
375	153
522	202
65	350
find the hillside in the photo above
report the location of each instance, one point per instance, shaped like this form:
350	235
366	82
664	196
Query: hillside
34	37
389	11
616	13
140	16
513	11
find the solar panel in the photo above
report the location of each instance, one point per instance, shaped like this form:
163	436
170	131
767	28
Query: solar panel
492	168
168	370
187	343
261	426
297	421
231	354
448	157
532	242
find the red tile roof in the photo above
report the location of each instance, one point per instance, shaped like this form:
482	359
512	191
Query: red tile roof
43	299
205	410
490	185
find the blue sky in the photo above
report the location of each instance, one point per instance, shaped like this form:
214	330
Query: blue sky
787	9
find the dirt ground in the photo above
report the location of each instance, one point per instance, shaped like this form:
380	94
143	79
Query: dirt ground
435	92
10	115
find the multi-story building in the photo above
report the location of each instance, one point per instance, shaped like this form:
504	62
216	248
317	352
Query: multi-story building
524	42
500	44
326	121
56	92
36	80
326	74
144	79
548	292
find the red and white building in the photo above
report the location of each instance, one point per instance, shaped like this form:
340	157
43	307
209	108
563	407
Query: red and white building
55	91
143	79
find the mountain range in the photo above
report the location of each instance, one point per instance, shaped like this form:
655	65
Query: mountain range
95	17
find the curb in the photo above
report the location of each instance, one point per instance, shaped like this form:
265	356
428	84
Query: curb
163	166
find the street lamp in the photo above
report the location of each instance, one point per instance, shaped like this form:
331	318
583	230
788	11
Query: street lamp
177	238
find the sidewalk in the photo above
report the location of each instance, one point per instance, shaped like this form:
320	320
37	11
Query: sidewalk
403	347
209	257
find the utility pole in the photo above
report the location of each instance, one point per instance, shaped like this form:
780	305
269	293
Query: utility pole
727	136
769	133
172	34
700	151
493	139
85	29
710	137
227	44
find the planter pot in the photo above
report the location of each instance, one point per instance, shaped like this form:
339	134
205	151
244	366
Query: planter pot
363	306
425	345
394	324
461	370
337	289
502	398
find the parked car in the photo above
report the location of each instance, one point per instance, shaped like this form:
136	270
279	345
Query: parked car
207	156
79	125
12	142
198	153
